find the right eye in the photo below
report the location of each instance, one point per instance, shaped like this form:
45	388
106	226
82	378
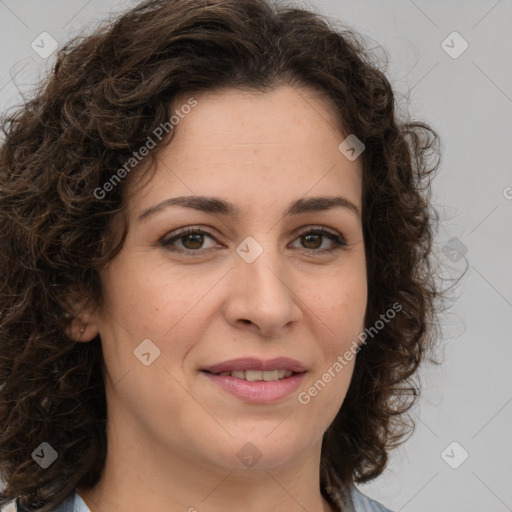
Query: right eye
191	240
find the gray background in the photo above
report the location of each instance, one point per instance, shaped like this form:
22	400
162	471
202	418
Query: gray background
468	100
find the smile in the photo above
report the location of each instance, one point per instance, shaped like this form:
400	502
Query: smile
259	389
254	375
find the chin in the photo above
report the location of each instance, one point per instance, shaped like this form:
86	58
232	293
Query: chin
261	452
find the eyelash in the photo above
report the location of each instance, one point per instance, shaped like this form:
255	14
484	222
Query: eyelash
337	239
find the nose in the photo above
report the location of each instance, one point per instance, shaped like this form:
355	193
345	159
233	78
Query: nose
261	295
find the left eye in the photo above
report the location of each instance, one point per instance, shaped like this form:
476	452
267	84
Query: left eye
315	238
192	240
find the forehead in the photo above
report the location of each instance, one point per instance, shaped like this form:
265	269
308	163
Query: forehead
255	144
256	117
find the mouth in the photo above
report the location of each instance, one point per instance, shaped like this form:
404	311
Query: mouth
255	375
253	368
257	380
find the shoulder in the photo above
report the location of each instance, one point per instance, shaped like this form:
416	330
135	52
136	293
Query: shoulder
362	503
73	503
347	497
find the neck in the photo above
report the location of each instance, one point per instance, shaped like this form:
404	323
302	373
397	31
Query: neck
147	476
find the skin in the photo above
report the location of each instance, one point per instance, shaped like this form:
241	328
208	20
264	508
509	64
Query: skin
173	435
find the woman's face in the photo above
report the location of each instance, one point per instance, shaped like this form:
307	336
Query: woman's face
261	284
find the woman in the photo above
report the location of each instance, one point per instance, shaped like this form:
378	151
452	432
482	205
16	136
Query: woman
215	273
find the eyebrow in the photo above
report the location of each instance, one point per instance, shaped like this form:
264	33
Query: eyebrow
215	205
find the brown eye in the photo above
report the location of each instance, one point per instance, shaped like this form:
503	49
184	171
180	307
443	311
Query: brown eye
196	240
188	240
313	240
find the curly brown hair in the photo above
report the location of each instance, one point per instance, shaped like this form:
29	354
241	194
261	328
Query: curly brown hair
107	91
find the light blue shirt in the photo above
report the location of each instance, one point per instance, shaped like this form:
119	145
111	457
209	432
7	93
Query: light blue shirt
357	502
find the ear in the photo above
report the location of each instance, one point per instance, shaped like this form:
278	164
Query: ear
85	326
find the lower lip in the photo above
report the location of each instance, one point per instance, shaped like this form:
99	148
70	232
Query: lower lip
258	391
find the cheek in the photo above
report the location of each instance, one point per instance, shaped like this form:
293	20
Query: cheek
143	302
323	395
337	335
342	312
347	319
341	304
149	300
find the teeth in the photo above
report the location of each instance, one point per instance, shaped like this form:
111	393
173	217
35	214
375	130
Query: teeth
255	375
271	375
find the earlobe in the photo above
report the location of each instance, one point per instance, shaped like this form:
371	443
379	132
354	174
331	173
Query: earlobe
82	332
83	327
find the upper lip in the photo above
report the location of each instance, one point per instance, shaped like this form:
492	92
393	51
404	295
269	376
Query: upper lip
253	363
